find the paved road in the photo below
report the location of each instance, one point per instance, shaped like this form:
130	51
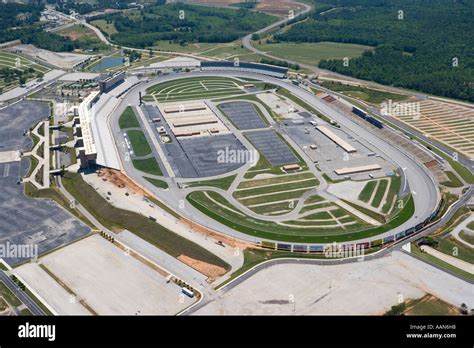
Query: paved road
106	41
22	296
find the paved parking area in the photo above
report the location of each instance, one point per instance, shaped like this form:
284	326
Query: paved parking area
18	118
105	279
362	288
29	221
330	156
243	115
270	145
195	157
24	220
204	152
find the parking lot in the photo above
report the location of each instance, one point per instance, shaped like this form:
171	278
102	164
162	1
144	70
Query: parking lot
195	157
243	115
362	288
23	220
18	118
105	281
270	145
330	156
29	221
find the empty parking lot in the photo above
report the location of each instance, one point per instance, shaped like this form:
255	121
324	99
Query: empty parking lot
270	145
28	221
362	288
24	220
243	115
105	280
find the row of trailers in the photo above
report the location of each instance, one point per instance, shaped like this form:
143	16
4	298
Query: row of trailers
362	114
383	242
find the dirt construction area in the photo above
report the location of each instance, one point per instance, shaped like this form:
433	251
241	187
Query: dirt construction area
362	288
104	280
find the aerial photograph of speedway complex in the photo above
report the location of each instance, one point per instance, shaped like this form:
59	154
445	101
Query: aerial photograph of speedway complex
225	177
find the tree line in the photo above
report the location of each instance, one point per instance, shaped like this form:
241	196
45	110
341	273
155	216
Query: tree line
181	23
424	45
21	22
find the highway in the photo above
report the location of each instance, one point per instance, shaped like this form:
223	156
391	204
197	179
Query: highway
423	186
21	295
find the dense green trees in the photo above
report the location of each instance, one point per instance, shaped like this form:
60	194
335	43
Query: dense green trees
183	23
10	76
86	7
18	21
425	45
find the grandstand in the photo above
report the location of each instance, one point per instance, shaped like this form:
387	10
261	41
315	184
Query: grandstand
98	147
264	69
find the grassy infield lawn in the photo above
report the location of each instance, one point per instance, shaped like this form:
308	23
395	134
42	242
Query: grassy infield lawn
393	184
139	144
273	231
222	183
194	88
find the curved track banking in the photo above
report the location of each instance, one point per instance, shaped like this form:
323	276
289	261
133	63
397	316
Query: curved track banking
424	188
328	262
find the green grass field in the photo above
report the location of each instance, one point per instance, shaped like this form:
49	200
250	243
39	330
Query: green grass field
429	305
468	237
274	196
85	38
239	221
29	70
8	295
148	165
158	183
452	247
393	191
222	183
434	260
128	119
453	180
381	188
212	50
194	88
366	94
392	184
366	193
312	53
139	143
107	28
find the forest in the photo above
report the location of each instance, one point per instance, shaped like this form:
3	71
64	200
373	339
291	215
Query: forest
87	7
425	45
183	24
21	21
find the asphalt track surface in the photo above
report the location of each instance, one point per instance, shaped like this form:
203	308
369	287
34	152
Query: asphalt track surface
327	262
423	186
